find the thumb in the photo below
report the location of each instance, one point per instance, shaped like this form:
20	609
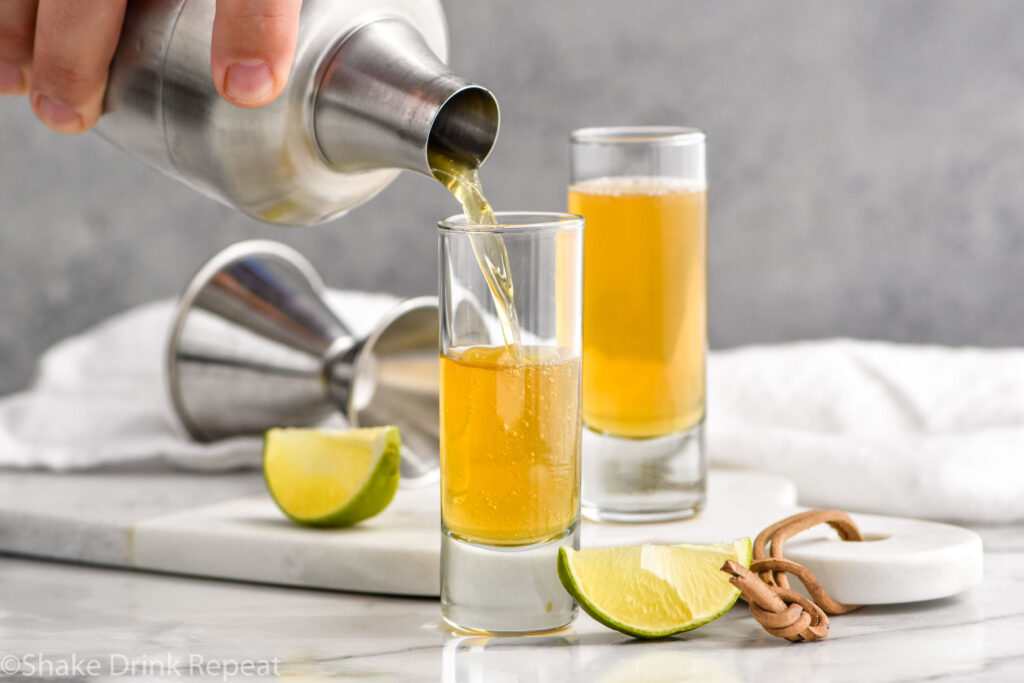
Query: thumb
253	47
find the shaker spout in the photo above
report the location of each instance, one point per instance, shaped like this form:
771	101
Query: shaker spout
386	100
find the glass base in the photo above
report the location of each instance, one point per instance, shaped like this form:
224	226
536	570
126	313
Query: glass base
505	590
644	480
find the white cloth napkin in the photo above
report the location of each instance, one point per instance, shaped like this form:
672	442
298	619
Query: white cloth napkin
100	398
918	431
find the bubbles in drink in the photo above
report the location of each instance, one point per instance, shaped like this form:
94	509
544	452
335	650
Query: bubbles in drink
643	343
510	475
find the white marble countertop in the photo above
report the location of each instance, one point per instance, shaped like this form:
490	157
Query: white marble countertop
70	621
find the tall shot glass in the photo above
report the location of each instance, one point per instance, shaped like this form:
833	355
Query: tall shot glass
642	191
510	421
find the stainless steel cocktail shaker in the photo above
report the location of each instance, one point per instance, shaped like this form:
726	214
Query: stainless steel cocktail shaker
368	94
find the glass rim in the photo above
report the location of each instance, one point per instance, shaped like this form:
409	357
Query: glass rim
510	222
637	135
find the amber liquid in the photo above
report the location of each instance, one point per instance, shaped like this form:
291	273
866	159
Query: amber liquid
645	304
509	444
463	181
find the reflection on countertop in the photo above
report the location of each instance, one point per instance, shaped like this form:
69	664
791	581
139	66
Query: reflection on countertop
53	612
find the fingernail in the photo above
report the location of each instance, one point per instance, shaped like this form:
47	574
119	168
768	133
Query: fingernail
11	80
249	82
56	114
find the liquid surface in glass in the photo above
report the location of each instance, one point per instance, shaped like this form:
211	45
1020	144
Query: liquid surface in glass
644	304
509	444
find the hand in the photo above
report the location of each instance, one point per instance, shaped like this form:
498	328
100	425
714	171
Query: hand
59	52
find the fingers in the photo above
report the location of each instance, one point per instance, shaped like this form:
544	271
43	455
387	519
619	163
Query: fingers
17	27
253	46
74	42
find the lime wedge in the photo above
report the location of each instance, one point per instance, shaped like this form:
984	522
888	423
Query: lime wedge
653	591
332	478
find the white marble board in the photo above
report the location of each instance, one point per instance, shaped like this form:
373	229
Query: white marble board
225	526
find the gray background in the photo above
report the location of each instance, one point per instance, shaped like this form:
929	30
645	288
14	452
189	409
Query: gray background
866	169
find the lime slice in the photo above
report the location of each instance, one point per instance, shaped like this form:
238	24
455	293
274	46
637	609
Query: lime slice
332	478
653	591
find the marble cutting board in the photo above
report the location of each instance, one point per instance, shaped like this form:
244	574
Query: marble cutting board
225	526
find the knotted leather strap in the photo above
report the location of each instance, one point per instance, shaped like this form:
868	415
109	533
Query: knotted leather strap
778	608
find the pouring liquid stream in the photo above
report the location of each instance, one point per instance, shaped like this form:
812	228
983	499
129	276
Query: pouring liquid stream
463	181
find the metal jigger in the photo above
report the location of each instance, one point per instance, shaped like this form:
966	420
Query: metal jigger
254	345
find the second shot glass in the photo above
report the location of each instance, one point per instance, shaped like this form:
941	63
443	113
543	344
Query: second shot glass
510	419
643	193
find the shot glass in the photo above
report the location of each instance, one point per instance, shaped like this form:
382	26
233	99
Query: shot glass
510	419
643	193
